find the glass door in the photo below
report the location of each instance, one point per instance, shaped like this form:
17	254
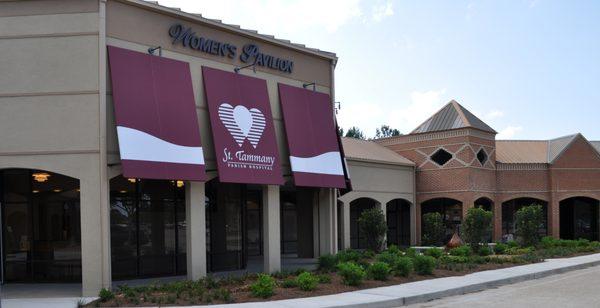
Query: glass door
226	228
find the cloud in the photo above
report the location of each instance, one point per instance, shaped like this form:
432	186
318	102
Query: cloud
422	105
276	17
493	114
509	132
381	11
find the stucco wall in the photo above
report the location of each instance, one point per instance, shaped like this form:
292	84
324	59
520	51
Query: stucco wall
50	108
381	182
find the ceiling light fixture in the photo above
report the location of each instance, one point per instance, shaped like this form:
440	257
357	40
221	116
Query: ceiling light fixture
57	190
180	184
40	176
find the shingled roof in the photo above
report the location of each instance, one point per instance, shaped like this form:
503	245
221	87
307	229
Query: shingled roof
452	116
365	150
535	151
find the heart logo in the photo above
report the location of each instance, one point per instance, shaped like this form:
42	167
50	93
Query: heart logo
243	123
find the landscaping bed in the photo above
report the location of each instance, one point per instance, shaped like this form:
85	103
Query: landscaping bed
347	271
352	270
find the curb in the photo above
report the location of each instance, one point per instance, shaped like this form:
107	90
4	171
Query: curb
476	287
431	289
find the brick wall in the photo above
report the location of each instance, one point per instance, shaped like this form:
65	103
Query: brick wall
576	172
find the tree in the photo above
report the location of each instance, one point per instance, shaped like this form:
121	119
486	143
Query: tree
386	131
355	132
434	230
477	227
373	225
340	131
528	220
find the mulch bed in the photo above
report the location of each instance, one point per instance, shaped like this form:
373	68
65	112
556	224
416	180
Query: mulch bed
240	293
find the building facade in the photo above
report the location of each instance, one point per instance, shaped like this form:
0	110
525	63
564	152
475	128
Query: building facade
460	165
142	141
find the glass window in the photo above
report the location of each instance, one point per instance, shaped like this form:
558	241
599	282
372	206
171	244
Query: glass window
147	228
41	226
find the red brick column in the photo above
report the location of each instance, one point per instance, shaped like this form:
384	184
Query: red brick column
554	216
497	231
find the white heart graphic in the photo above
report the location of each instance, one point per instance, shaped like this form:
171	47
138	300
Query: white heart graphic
243	123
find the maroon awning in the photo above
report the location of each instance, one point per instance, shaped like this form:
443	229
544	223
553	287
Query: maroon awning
242	128
157	125
315	155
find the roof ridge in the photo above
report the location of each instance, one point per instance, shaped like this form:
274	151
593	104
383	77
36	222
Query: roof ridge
461	112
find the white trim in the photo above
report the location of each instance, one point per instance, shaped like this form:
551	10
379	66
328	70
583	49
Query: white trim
138	145
326	163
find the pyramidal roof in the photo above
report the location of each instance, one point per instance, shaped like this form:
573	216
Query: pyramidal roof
452	116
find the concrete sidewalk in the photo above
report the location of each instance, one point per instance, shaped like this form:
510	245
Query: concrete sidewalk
426	290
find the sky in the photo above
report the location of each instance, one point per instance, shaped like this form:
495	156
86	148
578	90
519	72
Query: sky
528	68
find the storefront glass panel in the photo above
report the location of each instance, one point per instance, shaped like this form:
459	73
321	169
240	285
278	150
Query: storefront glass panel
147	228
40	226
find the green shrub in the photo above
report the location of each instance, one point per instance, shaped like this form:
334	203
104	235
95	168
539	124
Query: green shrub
307	281
434	230
386	257
380	271
373	225
477	227
219	294
548	242
393	249
348	255
485	251
528	220
263	287
327	262
324	278
463	251
289	283
352	274
583	242
500	248
403	266
424	265
434	252
512	244
455	259
368	254
519	251
106	295
411	252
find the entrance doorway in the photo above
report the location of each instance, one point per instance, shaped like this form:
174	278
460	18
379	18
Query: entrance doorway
357	207
579	218
398	222
41	232
147	228
451	211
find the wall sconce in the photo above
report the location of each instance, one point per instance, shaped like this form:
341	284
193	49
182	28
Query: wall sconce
40	177
131	180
